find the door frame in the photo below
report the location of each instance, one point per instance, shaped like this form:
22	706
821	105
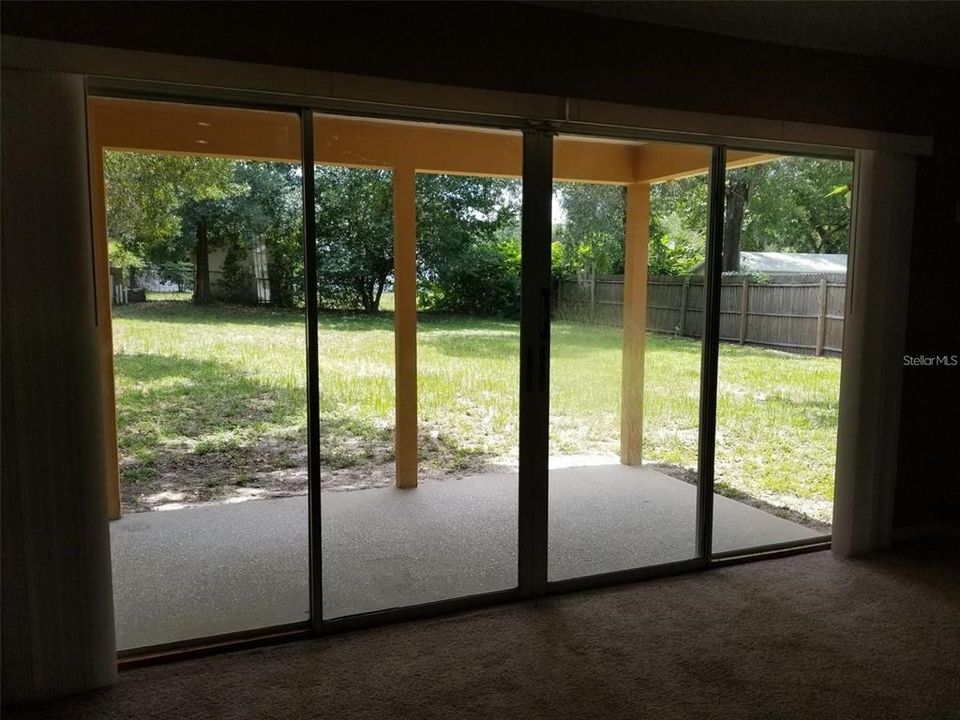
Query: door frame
535	355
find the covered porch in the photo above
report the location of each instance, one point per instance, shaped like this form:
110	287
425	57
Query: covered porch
406	149
203	571
217	569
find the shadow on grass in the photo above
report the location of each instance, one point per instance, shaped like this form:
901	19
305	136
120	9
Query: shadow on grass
216	313
165	396
190	429
196	430
176	311
821	414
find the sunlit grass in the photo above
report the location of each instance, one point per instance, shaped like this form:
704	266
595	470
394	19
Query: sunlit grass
223	379
153	295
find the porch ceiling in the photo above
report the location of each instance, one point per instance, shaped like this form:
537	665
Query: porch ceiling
148	126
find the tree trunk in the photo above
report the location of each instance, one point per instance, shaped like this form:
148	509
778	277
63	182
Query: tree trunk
201	283
381	281
737	193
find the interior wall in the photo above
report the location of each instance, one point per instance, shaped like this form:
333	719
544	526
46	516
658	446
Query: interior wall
57	600
542	50
928	491
511	46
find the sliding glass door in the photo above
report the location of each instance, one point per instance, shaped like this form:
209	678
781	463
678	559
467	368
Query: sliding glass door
530	361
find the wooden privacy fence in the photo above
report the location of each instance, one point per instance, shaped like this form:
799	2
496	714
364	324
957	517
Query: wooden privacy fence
797	313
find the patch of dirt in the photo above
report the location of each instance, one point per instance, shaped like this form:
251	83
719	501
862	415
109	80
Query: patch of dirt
276	468
272	469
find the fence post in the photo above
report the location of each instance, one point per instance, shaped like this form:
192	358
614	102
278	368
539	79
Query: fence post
593	296
821	315
683	305
744	304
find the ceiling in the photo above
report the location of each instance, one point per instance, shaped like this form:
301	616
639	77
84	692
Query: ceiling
919	32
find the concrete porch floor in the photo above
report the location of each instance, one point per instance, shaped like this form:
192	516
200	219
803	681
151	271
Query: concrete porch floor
189	573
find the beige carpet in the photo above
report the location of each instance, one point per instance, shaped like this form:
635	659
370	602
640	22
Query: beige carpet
810	636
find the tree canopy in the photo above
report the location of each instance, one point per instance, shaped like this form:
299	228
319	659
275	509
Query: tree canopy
591	237
146	195
793	204
798	205
468	247
354	236
267	215
160	207
168	211
468	244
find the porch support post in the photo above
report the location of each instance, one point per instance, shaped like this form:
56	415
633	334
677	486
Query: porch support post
103	299
634	322
405	323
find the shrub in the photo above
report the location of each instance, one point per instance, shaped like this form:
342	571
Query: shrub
482	280
237	281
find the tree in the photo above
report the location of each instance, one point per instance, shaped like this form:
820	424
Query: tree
592	237
170	211
145	196
267	215
678	225
675	248
468	245
278	189
179	273
354	236
794	204
736	194
800	205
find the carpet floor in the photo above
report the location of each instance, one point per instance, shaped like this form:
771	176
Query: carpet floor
810	636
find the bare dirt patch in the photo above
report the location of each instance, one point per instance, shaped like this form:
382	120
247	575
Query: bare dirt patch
182	476
275	468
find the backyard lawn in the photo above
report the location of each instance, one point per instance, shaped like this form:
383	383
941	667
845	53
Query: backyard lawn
210	404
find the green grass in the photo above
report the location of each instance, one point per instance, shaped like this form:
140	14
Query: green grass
226	385
169	295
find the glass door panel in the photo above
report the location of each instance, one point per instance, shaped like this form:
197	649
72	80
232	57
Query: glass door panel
786	239
201	212
418	238
630	224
